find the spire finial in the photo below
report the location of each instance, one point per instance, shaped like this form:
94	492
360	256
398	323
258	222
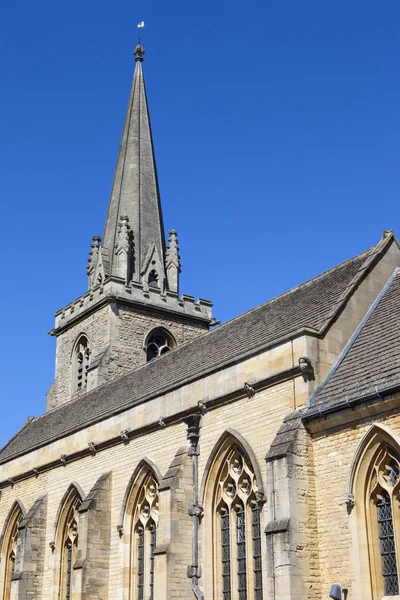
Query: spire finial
139	50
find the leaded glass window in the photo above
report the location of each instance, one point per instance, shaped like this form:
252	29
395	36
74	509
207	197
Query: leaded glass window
256	535
69	548
239	529
226	554
385	494
145	536
241	551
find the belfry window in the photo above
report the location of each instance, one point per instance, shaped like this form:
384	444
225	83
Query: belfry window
11	540
158	342
238	531
384	495
81	363
153	279
143	537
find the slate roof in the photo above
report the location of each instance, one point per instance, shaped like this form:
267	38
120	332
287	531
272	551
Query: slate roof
286	436
311	306
371	361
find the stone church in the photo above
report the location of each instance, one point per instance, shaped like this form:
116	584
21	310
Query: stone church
256	461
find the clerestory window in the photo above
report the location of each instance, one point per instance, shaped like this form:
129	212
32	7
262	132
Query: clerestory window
81	363
158	342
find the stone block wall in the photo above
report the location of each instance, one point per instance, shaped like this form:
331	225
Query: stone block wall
339	559
116	339
256	419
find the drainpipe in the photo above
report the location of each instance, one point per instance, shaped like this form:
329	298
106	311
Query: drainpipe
193	423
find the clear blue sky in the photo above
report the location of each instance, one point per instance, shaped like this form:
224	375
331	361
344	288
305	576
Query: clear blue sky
276	128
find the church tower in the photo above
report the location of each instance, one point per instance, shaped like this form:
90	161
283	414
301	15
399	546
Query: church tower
132	311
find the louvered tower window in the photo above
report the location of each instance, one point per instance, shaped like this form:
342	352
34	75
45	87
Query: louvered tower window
238	514
82	357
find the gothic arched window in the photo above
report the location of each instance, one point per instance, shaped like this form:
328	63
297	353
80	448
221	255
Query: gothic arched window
158	342
237	530
10	549
383	496
67	541
81	363
143	538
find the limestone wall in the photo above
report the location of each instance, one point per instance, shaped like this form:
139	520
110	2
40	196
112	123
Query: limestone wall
116	337
339	559
255	418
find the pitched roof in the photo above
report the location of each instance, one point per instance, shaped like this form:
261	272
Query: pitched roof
370	363
309	307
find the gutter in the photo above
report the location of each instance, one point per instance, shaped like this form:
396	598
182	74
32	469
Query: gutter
377	394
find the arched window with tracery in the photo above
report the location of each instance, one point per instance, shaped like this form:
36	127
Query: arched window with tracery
383	497
237	530
81	361
9	554
67	541
158	342
140	531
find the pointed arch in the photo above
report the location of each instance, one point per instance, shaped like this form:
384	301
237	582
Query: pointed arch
228	438
376	435
231	493
374	487
16	505
9	540
144	465
139	520
80	361
66	540
73	488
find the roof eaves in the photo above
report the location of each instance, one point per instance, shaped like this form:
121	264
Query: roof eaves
379	393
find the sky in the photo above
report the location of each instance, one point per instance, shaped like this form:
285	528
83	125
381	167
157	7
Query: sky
276	130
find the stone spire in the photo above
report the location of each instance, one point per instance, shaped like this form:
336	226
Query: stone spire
135	197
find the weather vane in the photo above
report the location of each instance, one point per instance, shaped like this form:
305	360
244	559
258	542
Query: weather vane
139	50
140	26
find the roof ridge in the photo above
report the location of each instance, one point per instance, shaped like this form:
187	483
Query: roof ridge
219	328
301	285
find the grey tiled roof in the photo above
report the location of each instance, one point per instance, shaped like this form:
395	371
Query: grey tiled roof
310	306
286	436
371	361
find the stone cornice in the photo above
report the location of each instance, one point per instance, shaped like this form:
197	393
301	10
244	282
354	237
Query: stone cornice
60	462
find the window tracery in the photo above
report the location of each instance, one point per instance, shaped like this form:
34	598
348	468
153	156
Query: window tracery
143	539
11	550
81	363
384	496
238	529
69	548
158	342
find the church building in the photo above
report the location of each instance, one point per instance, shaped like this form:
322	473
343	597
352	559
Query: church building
177	459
